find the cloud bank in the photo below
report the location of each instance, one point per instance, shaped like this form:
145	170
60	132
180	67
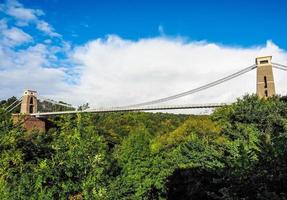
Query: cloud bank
113	71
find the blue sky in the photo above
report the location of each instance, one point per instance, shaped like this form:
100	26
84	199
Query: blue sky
233	22
111	53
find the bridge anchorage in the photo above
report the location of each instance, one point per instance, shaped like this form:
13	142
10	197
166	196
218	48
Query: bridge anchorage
265	87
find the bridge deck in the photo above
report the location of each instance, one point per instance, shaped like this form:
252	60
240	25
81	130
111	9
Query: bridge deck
131	109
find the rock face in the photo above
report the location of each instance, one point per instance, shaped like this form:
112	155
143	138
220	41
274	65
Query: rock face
29	122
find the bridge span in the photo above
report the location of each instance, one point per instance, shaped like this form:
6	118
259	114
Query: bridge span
265	87
133	109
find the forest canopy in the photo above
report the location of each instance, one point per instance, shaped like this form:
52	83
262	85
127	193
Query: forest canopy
238	152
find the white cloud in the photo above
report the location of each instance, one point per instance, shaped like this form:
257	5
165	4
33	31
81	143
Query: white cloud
29	68
115	71
46	28
22	13
25	16
10	37
16	36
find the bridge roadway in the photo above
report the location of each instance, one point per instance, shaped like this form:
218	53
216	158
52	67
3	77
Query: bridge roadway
132	109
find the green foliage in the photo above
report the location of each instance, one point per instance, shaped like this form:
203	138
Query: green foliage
239	152
142	173
268	116
54	165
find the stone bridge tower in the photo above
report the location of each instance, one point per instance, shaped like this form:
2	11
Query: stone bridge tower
29	105
265	80
29	102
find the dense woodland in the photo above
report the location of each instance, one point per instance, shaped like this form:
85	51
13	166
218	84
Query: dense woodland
238	152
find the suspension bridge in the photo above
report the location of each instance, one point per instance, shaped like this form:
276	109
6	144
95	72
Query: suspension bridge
265	88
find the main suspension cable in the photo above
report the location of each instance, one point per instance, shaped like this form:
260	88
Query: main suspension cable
201	88
279	65
281	68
